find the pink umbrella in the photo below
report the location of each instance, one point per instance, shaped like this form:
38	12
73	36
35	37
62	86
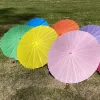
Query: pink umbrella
74	57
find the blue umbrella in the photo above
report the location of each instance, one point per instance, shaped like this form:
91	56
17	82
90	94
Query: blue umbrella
37	22
93	30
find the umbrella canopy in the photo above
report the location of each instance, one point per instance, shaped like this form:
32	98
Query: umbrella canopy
34	46
93	30
74	57
98	68
10	40
64	26
37	22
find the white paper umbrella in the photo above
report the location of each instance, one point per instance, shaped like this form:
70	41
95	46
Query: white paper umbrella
74	57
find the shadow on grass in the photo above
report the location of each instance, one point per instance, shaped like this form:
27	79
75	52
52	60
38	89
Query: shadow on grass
2	57
37	93
9	16
25	94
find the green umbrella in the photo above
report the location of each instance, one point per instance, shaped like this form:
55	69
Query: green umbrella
10	40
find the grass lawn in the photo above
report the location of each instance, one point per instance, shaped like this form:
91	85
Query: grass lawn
19	83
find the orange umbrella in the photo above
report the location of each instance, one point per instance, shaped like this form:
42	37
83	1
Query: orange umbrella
64	26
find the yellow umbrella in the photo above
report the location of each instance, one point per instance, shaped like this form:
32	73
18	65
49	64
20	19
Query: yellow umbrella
33	48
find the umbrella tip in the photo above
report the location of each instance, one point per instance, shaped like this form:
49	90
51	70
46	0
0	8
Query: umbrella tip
70	52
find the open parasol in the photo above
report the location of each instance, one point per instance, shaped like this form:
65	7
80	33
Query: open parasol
74	57
64	26
10	40
34	46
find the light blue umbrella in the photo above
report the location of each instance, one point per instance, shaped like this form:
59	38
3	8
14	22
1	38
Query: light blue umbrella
37	22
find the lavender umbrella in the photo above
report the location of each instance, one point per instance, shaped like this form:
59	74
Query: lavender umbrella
93	30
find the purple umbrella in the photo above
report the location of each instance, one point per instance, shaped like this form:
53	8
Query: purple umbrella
93	30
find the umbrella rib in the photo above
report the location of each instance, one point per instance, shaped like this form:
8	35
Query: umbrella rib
80	67
64	30
83	49
36	37
48	32
29	56
67	69
71	42
68	46
8	42
26	45
97	36
8	39
44	47
18	34
9	47
7	53
76	39
39	37
29	37
33	57
72	67
42	52
57	59
57	63
81	41
7	34
95	32
43	21
92	29
88	42
84	61
64	53
47	39
39	58
63	68
87	55
11	52
69	28
74	70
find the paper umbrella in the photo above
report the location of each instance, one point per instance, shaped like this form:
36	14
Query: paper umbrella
37	22
34	46
74	57
64	26
93	30
10	40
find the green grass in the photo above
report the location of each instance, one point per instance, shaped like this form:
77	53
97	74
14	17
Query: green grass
19	83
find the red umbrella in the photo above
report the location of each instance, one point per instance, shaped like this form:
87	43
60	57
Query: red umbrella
64	26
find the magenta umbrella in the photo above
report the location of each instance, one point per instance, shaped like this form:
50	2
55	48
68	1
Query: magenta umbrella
98	69
74	57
